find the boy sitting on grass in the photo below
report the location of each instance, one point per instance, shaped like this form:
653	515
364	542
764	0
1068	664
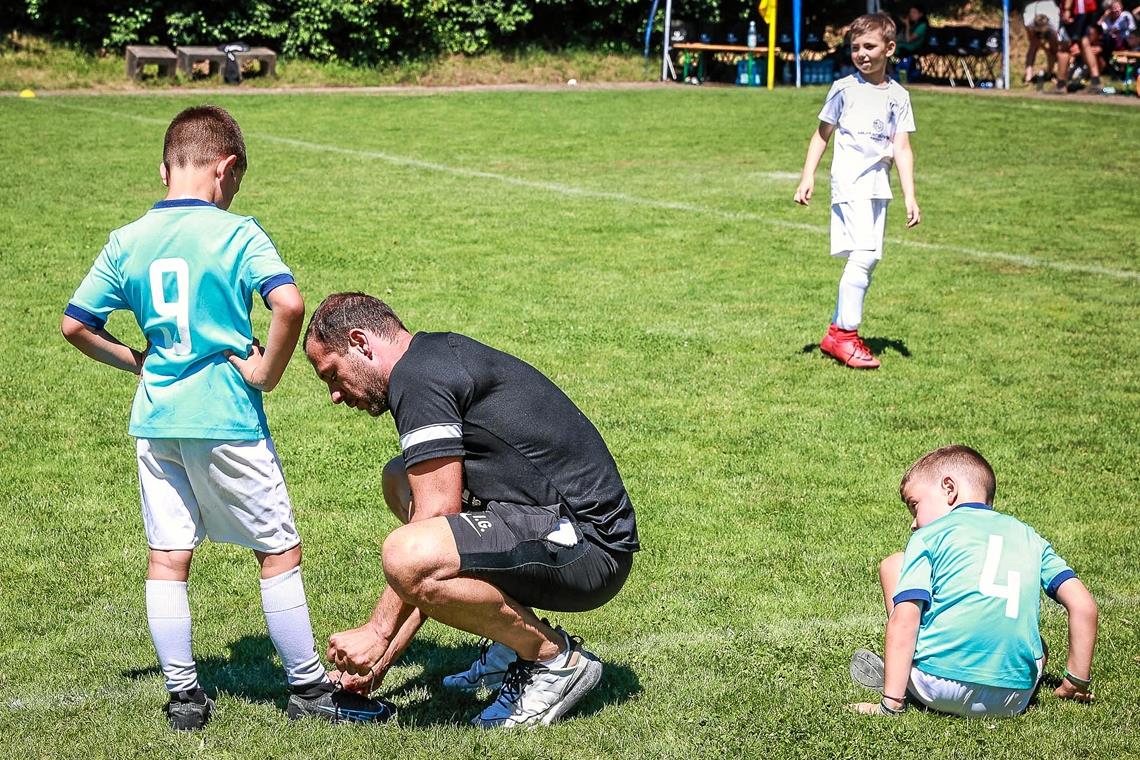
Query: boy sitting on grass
963	602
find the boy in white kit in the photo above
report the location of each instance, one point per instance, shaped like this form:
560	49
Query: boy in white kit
188	270
871	117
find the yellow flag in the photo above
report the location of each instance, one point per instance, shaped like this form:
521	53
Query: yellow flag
768	11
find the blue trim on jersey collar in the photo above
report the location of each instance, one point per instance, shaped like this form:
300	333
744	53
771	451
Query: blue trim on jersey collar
975	505
183	203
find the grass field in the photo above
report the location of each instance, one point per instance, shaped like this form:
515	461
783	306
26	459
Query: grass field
641	248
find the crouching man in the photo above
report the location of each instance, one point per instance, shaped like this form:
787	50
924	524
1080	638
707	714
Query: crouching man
509	497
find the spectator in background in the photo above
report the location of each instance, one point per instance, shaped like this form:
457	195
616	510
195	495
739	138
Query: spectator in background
1042	19
1116	24
1078	17
912	37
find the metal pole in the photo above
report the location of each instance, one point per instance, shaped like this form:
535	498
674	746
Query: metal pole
797	22
1005	43
665	44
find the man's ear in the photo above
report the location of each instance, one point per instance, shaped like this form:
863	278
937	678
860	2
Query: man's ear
950	488
359	340
164	174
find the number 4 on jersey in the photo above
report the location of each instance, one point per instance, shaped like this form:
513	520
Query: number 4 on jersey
988	585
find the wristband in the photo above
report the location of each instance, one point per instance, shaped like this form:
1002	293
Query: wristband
1084	683
885	709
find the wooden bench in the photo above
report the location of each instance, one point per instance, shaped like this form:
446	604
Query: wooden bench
188	55
697	50
159	55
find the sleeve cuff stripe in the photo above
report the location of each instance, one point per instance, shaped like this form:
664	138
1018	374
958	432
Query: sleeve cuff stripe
1058	579
276	281
913	595
82	315
430	433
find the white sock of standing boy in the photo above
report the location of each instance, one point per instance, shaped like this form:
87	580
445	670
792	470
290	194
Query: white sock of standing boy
168	616
853	287
287	617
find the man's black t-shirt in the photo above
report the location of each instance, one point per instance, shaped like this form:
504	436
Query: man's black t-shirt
521	439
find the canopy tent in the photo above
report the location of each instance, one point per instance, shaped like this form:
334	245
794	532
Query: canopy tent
797	27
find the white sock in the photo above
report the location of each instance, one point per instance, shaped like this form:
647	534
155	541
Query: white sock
168	615
853	287
287	617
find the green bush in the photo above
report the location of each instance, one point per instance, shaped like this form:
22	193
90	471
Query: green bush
373	31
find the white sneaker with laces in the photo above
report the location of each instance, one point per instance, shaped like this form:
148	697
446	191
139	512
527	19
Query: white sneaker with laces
535	693
487	670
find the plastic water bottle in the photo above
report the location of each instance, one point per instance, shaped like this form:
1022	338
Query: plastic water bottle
751	34
1129	80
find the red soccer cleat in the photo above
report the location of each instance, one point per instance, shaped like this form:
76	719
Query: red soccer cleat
847	347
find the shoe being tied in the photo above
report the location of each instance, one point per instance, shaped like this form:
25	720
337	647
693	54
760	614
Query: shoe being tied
487	670
534	693
189	710
328	701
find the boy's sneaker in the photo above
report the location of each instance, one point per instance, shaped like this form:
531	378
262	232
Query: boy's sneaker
847	347
487	670
328	701
534	694
189	710
867	669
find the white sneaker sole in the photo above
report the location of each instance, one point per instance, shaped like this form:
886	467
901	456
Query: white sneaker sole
589	676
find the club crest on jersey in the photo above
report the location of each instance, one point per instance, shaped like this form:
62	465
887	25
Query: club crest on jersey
879	126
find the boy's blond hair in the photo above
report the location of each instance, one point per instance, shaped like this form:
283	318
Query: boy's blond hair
201	135
873	23
958	460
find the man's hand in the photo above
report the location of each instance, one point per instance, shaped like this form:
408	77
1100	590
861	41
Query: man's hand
363	685
250	367
1075	692
357	651
913	214
804	191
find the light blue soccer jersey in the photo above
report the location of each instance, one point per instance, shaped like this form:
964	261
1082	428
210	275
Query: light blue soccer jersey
977	574
188	271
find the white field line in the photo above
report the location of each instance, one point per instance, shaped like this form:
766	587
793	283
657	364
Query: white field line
634	200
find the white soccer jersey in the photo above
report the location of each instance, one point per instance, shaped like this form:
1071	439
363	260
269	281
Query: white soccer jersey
866	118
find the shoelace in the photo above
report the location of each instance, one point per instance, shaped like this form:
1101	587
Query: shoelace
861	348
484	647
519	674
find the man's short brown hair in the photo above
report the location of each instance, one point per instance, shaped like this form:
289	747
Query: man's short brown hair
958	460
873	23
342	312
201	135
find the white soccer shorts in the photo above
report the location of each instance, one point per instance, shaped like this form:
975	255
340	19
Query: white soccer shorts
858	226
230	491
945	695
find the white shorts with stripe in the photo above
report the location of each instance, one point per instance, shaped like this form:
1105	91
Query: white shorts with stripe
945	695
230	491
858	226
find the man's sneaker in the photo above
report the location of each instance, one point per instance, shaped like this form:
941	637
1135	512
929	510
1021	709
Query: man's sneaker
328	701
867	669
487	670
847	347
534	694
189	710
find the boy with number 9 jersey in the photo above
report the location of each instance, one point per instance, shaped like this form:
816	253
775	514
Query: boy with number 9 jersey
188	270
964	601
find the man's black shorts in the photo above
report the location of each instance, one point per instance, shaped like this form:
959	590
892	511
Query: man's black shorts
1080	25
507	545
